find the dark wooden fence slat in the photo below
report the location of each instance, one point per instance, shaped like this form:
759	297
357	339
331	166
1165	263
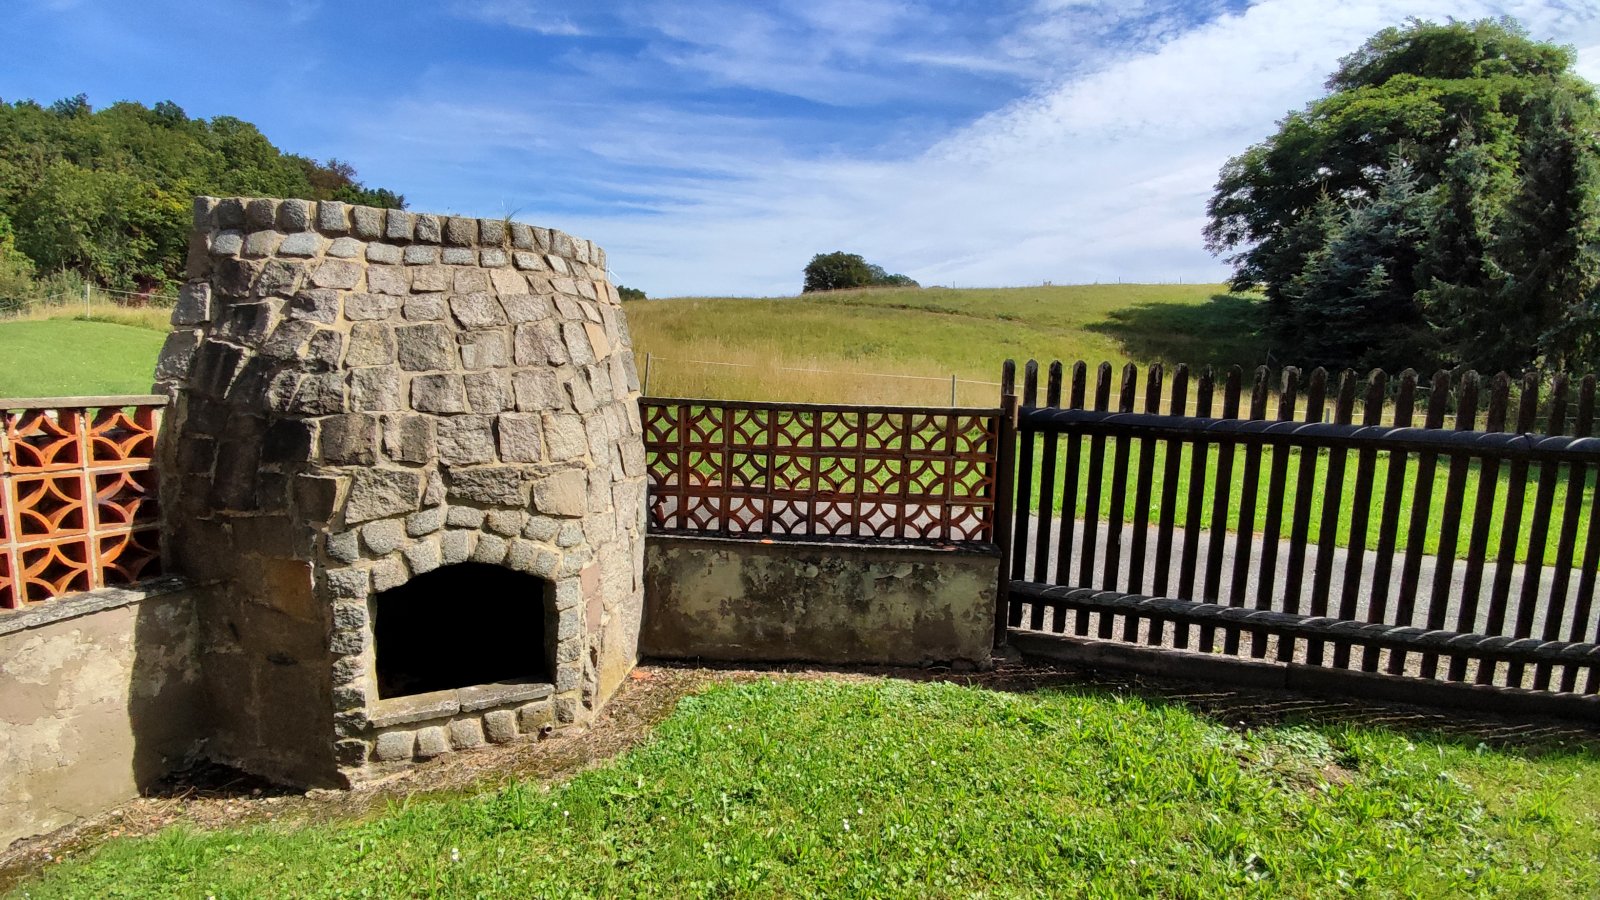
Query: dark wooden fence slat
1539	529
1069	488
1332	497
1586	586
1008	610
1389	517
1277	482
1511	522
1091	513
1217	542
1199	457
1047	484
1178	406
1245	530
1450	518
1577	481
1300	528
1119	494
1026	436
1372	404
1421	508
1484	522
1144	486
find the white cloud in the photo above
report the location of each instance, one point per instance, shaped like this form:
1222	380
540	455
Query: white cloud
1102	172
528	15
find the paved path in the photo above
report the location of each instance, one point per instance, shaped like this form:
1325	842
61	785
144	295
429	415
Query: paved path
1281	588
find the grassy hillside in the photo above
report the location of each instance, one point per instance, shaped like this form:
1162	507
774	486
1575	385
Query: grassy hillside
69	357
756	345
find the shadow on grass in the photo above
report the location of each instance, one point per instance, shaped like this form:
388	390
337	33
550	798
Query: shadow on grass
1226	330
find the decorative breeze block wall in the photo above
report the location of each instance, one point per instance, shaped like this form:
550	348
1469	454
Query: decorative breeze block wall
362	396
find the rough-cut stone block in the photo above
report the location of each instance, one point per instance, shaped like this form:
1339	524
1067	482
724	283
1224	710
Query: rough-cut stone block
504	522
425	347
294	215
301	244
423	556
522	308
528	261
466	440
319	395
489	485
437	393
537	390
388	574
500	726
390	280
488	392
375	390
527	556
349	584
398	225
377	493
455	547
177	355
477	310
371	344
493	258
427	229
576	339
485	349
566	710
420	255
565	437
563	494
193	306
385	254
344	547
459	256
430	279
315	306
409	439
261	213
424	307
432	741
333	217
465	517
227	243
383	536
541	528
535	717
571	534
366	222
346	248
349	440
461	231
491	549
520	437
466	734
558	266
336	274
260	244
425	522
395	746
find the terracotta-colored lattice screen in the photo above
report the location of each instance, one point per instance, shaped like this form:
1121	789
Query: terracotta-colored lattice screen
77	496
781	470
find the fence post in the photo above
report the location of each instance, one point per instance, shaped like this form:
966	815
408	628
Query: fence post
645	388
86	299
1005	492
953	403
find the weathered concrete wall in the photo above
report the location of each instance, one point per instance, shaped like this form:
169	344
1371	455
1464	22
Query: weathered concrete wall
100	694
744	601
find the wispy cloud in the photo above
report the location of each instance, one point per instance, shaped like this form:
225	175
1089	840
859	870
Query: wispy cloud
528	15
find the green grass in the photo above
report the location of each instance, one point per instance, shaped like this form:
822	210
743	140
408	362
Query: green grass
893	789
930	333
68	357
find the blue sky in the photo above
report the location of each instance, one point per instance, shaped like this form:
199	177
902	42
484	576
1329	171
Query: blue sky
713	147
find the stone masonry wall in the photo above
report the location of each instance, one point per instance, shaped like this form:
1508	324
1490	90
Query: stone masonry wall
362	395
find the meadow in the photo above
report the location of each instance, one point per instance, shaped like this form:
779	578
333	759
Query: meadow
884	788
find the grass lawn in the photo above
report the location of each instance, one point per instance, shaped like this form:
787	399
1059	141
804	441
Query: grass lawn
896	789
69	357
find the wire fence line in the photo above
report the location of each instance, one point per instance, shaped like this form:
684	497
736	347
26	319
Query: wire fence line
14	306
651	361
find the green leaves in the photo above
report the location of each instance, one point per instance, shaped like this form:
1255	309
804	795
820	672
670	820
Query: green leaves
1436	208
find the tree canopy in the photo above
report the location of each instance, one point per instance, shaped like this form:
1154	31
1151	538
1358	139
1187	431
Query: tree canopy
840	271
108	193
1440	206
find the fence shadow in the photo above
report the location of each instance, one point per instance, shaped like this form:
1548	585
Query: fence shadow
1226	330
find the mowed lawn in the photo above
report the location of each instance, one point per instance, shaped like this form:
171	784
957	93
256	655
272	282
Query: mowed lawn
895	789
69	357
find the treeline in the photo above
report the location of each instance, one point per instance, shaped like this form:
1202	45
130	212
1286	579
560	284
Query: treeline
106	194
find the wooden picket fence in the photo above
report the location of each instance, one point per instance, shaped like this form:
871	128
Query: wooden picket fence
1447	530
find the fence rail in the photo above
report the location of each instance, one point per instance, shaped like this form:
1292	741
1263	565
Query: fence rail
1414	548
810	471
77	495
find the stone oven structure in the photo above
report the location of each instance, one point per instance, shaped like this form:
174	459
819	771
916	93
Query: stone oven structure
403	462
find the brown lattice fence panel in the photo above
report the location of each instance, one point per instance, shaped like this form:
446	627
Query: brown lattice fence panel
788	470
77	497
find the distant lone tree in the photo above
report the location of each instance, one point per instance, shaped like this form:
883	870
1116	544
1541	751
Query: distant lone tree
1440	206
840	271
628	293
